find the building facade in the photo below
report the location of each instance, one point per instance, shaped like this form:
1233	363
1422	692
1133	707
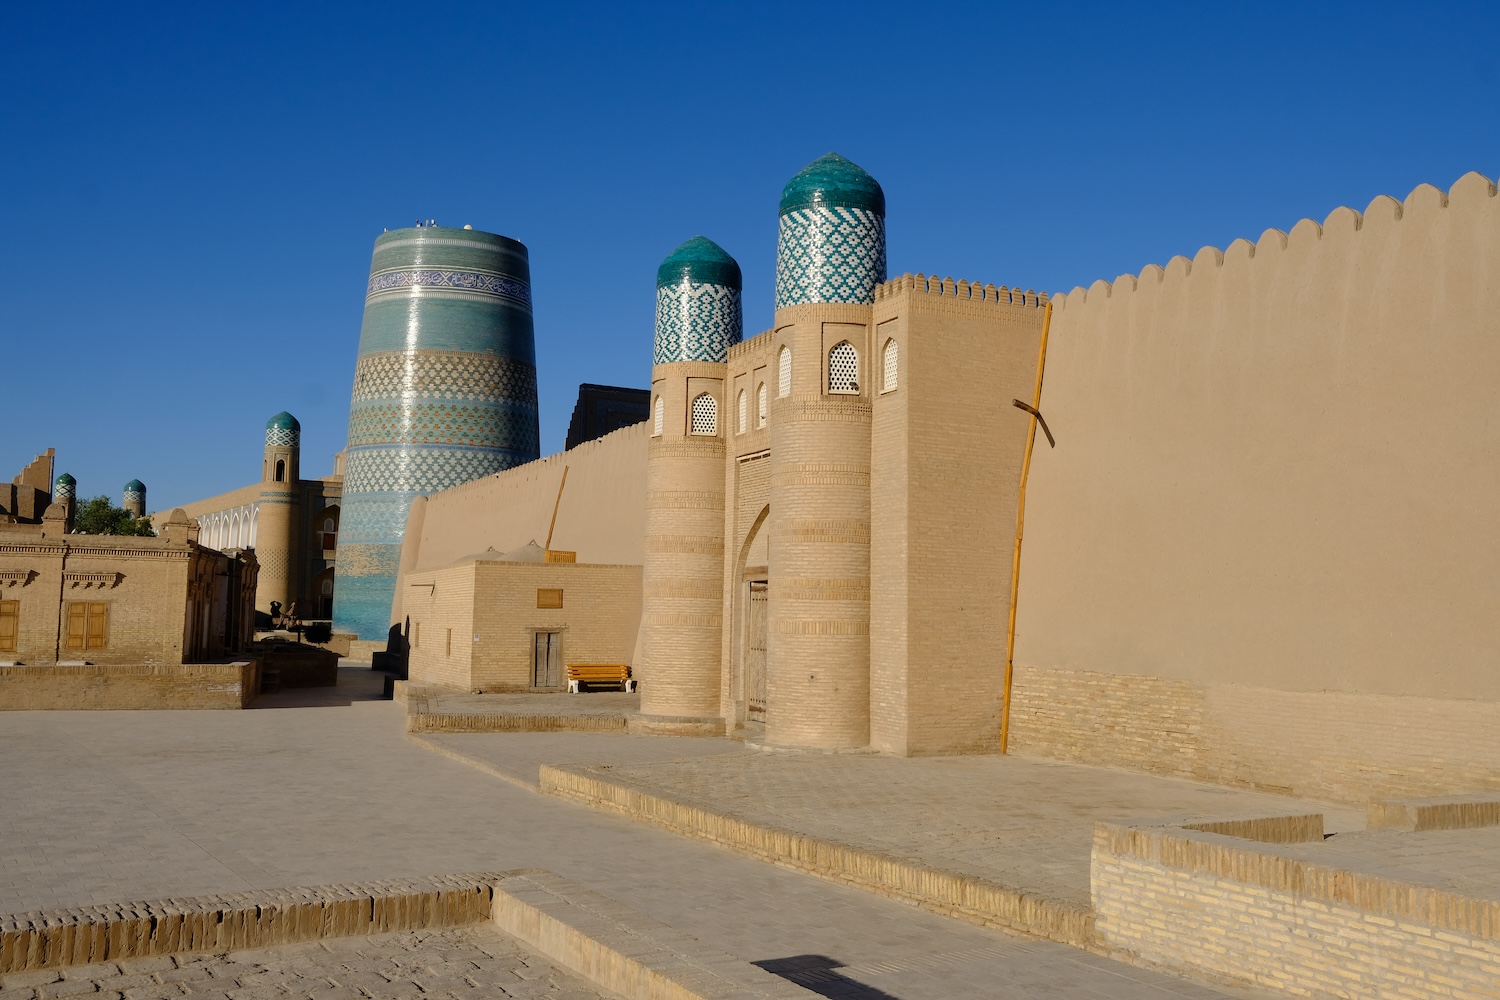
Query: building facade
444	393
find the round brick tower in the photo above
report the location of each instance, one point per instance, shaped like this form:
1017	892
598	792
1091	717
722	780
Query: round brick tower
135	498
444	393
278	514
830	255
698	317
65	491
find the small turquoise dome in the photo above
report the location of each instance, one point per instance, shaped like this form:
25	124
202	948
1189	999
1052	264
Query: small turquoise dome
135	486
833	182
66	480
702	260
283	421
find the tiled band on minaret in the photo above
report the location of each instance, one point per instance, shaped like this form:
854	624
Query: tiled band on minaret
278	514
830	256
444	393
698	317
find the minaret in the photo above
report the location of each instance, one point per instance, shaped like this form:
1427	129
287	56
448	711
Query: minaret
135	498
698	317
830	255
278	515
444	393
65	491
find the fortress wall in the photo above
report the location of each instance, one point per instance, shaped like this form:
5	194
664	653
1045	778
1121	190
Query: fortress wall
1276	473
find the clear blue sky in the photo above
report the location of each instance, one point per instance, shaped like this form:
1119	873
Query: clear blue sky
192	193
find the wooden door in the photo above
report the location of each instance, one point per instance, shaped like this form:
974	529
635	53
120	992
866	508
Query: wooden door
755	653
546	669
10	620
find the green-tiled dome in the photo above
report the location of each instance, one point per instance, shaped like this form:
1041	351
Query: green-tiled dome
66	480
135	486
702	260
283	421
834	182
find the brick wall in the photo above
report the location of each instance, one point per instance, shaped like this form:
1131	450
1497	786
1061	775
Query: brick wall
171	686
1207	903
1323	745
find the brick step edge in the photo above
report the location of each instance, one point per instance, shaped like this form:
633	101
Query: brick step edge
444	722
951	893
623	950
49	939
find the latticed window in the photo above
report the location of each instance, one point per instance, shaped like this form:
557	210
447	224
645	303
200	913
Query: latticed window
705	415
760	406
843	368
744	412
656	418
888	367
785	389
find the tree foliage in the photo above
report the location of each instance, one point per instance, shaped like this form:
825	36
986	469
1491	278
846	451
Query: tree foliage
100	517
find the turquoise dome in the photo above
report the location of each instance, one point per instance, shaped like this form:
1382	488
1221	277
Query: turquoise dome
135	486
66	480
833	182
283	421
701	260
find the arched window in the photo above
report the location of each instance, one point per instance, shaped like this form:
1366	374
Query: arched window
327	587
760	406
843	369
705	414
656	416
785	387
888	367
280	471
744	414
327	524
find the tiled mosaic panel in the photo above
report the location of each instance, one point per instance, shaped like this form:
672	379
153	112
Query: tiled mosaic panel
373	519
471	425
416	469
62	490
283	437
500	286
697	322
135	496
362	600
453	375
829	255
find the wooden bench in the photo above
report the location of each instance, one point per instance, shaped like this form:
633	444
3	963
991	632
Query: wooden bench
580	674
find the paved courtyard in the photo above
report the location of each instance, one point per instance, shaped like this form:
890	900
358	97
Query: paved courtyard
113	806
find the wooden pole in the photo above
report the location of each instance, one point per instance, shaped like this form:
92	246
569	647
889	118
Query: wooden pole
558	503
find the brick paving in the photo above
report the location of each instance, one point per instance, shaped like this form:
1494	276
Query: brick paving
109	806
477	962
1465	861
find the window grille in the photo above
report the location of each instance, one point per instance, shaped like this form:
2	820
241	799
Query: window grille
785	389
705	415
888	364
843	369
760	406
744	412
656	419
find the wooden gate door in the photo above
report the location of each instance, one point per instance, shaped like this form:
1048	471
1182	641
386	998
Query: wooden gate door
547	665
755	653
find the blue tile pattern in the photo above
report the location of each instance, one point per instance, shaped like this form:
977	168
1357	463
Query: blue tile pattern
498	285
444	393
829	254
285	437
697	322
63	488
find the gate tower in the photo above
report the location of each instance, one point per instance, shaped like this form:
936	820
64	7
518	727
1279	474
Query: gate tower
444	393
278	514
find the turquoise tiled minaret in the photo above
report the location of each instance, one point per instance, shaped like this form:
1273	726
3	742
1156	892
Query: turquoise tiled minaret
444	393
698	310
134	498
830	245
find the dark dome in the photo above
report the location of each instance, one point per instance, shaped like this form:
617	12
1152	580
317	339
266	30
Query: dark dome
702	260
283	421
135	486
69	480
833	181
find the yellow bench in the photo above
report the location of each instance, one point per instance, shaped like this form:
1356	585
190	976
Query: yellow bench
580	674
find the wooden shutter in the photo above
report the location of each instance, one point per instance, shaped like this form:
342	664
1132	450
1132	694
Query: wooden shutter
77	625
98	618
10	616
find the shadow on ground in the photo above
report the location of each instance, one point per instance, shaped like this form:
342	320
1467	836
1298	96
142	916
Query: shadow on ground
355	683
815	973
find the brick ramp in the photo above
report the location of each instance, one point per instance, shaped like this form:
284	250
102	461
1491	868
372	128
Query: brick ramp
592	935
951	893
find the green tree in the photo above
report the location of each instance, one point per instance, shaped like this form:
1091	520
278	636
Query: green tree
100	517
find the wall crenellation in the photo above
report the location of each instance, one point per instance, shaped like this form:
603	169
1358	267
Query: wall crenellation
972	290
1423	200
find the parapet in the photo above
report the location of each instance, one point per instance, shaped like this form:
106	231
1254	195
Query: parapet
971	290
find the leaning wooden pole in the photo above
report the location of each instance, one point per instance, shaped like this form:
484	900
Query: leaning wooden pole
558	503
1015	563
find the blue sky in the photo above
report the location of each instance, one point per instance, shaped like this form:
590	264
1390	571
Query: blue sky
193	192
